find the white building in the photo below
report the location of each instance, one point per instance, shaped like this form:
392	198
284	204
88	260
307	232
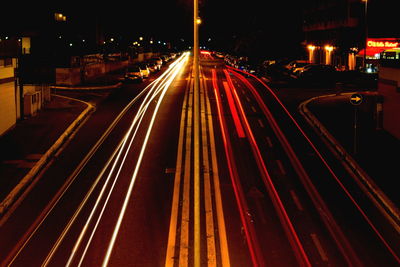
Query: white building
9	95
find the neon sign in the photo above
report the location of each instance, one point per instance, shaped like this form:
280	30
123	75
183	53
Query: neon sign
382	44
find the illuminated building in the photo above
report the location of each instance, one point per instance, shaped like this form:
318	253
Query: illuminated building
333	31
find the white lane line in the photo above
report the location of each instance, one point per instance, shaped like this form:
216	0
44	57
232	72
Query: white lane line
138	163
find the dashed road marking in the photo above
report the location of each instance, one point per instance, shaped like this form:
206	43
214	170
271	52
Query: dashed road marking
269	142
280	166
261	123
296	200
321	251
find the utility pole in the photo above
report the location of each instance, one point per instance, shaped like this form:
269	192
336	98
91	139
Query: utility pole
196	134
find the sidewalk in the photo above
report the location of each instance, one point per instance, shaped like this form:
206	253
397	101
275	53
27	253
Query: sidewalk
376	150
25	149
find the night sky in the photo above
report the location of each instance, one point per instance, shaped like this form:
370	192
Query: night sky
252	27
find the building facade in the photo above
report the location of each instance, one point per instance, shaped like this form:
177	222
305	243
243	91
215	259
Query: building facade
334	31
9	95
389	89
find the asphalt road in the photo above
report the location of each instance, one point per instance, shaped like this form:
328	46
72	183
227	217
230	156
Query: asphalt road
124	191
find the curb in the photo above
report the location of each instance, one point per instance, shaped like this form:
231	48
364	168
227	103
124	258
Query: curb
28	178
87	88
360	176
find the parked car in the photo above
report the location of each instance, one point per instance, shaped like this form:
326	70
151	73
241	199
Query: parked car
158	60
319	73
153	66
133	73
297	70
295	65
165	58
144	69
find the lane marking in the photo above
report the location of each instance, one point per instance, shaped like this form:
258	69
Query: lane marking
185	219
319	247
170	256
269	142
253	109
281	167
211	252
224	250
169	170
296	200
260	123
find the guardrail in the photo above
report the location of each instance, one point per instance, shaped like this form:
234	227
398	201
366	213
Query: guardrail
375	194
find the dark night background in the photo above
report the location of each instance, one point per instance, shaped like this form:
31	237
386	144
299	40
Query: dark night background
263	29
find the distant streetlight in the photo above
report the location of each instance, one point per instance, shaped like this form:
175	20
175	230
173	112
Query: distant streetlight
59	17
141	38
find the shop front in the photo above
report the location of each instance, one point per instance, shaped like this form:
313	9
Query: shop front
372	53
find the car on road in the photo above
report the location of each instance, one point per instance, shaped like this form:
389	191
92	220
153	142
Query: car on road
133	73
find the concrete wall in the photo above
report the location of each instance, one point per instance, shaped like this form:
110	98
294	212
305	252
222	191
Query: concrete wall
8	100
74	76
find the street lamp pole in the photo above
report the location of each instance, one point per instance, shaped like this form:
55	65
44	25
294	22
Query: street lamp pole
196	135
365	33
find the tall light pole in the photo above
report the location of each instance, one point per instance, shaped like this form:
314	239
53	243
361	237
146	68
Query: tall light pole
196	134
366	33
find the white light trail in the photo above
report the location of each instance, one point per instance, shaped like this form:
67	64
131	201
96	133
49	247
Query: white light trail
123	209
159	85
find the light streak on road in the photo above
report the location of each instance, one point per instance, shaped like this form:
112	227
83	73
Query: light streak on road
157	87
333	174
251	238
165	87
279	207
326	216
234	112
